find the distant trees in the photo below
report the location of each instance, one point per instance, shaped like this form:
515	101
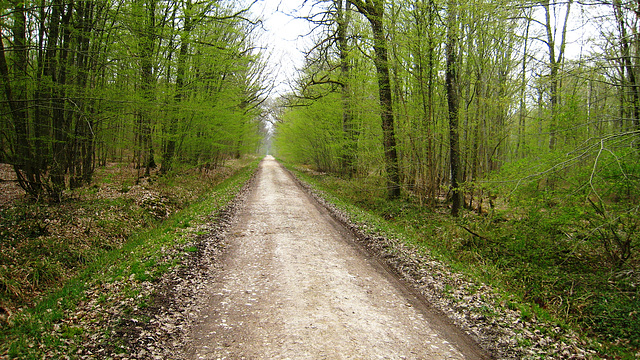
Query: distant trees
88	81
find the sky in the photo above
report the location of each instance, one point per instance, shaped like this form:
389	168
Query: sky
284	38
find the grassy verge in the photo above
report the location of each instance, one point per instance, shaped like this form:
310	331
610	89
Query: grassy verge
143	240
525	258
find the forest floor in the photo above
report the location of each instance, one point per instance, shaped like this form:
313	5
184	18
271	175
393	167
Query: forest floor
237	281
10	191
72	274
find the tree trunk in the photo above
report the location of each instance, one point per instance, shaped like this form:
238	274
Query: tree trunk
147	38
170	149
82	150
60	121
349	149
631	81
521	140
373	10
425	83
452	103
555	64
42	112
15	88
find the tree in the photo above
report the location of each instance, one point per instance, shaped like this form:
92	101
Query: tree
82	81
373	11
452	104
180	91
52	135
145	25
15	81
349	152
555	64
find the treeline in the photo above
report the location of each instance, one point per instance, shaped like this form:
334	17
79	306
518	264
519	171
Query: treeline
440	96
144	81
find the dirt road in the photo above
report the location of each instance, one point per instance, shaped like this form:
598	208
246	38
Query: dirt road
295	286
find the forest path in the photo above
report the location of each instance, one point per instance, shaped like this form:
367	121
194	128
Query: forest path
293	285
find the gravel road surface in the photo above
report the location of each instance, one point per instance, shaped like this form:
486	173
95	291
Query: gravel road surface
294	285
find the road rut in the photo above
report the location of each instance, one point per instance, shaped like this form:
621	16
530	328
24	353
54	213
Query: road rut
294	285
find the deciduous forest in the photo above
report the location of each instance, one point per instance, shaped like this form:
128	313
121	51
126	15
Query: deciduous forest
153	82
496	113
501	137
114	116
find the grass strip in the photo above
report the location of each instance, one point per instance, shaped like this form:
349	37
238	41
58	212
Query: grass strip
118	277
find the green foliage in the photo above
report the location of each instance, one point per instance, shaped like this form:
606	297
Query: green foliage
615	318
93	82
571	237
319	144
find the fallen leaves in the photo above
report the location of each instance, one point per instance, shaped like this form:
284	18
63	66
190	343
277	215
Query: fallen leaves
119	324
114	314
44	244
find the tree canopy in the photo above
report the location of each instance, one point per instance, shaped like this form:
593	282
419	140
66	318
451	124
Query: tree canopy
150	81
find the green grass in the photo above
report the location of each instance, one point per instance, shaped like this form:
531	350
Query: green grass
146	255
528	259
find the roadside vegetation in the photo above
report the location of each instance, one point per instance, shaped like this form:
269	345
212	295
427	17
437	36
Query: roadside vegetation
500	136
107	245
119	121
554	256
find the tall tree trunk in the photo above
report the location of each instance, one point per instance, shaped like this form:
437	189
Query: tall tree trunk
429	173
170	149
555	64
147	38
349	149
60	121
15	88
373	10
42	112
452	103
83	149
521	140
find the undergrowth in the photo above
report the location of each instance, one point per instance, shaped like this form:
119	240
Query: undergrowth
129	242
543	255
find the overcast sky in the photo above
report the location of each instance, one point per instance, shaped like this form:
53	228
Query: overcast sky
283	37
